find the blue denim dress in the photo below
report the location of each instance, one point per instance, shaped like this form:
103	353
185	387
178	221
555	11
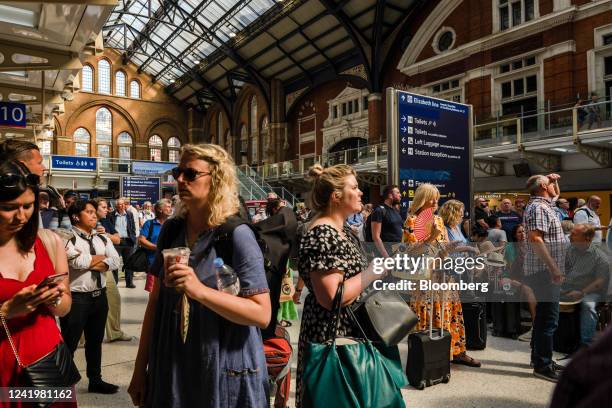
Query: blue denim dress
221	364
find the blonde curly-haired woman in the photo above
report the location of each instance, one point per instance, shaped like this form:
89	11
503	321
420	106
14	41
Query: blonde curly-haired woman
220	362
423	228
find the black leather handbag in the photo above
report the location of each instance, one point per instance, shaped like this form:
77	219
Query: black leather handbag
55	369
384	315
139	261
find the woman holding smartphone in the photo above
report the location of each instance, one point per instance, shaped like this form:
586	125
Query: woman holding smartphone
27	308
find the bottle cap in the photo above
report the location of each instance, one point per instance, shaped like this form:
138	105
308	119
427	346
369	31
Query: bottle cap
218	262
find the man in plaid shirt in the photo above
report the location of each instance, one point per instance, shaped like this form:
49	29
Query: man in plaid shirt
543	270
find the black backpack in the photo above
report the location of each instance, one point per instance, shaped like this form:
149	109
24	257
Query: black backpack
276	236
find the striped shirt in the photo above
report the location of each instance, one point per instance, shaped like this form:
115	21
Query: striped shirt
541	216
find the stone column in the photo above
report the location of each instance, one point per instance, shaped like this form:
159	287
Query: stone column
375	118
278	125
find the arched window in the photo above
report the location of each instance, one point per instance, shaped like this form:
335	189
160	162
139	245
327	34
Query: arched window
155	147
81	142
119	83
104	126
134	89
87	78
228	143
253	115
104	77
244	144
254	133
265	136
174	146
220	128
124	141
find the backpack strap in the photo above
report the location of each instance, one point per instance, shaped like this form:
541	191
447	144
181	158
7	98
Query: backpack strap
222	240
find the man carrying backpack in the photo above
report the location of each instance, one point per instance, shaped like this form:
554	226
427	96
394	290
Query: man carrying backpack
384	225
588	215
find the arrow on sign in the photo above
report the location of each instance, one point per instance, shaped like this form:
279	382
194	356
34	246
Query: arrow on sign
403	140
404	183
404	129
403	118
404	204
404	151
404	194
403	97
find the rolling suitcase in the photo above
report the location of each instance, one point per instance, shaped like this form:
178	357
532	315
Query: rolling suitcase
475	320
506	312
506	319
428	355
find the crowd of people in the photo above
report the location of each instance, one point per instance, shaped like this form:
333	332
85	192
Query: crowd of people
201	340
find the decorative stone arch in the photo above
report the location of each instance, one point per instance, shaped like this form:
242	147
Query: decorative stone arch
244	96
212	117
108	104
58	127
181	132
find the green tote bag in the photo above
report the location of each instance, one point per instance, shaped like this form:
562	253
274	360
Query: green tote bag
351	373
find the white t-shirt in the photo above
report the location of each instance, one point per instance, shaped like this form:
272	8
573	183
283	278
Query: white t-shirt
584	215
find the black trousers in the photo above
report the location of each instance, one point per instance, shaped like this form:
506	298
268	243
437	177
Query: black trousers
125	249
88	314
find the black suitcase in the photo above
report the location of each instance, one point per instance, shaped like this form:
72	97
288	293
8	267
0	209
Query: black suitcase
428	359
429	354
567	336
506	319
475	320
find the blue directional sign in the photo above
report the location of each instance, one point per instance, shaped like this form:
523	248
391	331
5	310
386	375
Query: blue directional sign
434	147
140	189
12	114
74	163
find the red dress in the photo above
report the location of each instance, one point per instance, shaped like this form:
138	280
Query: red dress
34	335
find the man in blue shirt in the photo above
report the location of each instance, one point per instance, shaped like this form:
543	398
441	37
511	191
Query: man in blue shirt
508	217
562	206
149	233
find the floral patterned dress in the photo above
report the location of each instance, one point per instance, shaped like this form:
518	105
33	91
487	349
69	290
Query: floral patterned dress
323	249
420	301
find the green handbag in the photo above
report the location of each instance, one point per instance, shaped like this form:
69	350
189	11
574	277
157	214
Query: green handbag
348	372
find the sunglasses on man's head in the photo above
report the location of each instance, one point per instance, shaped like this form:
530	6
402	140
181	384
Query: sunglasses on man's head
188	173
11	180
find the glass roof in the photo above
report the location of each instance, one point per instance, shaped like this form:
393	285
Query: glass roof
168	37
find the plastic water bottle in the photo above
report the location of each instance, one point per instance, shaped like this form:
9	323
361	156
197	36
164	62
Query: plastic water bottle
227	280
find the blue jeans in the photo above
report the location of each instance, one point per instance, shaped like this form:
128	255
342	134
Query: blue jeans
588	318
546	318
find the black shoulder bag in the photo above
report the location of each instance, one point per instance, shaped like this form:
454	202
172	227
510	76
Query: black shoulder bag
139	260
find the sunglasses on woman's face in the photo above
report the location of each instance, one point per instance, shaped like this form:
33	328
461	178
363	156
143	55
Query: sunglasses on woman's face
188	173
11	180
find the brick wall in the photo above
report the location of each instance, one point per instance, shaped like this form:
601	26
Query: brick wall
318	97
154	113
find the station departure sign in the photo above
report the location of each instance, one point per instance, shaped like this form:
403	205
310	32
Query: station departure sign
430	142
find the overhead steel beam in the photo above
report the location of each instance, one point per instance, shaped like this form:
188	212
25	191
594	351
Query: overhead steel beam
260	81
313	41
194	75
379	17
314	54
335	9
313	44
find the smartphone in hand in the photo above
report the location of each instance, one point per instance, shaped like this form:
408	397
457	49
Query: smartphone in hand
52	280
